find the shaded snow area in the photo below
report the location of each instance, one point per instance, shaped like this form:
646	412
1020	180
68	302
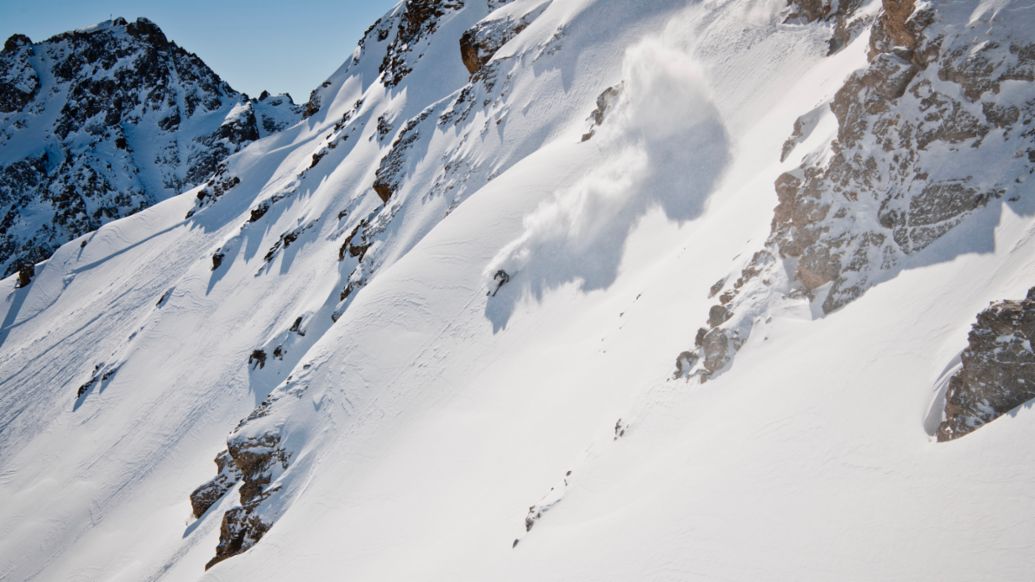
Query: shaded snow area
429	330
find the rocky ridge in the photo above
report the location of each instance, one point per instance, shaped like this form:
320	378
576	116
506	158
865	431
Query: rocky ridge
257	447
99	123
855	213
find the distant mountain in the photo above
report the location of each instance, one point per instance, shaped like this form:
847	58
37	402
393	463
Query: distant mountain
99	123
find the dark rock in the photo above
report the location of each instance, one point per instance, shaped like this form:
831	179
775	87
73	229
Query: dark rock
718	315
346	292
206	495
238	531
716	287
479	43
219	184
383	189
684	363
716	348
316	158
312	107
391	170
384	127
470	53
257	458
355	244
15	42
838	12
998	368
419	19
286	240
26	271
619	433
259	211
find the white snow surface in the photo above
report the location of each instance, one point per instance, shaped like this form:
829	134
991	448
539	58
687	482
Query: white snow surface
426	420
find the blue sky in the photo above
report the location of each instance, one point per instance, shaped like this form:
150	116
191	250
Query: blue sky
254	44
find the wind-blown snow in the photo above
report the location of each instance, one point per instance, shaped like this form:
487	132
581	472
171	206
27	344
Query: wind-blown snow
664	128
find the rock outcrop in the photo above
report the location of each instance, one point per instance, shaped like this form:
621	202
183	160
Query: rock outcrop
997	372
257	459
917	128
418	19
392	169
480	42
255	456
206	495
127	119
840	13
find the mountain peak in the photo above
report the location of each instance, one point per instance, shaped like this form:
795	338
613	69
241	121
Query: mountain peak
16	41
128	118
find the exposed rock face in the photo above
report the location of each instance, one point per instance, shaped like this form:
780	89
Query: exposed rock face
212	491
841	13
419	18
998	368
391	171
394	41
220	183
910	162
26	271
480	42
257	456
128	118
19	82
258	460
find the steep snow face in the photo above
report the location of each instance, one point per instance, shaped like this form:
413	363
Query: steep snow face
437	319
100	123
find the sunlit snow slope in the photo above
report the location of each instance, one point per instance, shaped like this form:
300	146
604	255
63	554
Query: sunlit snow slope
331	300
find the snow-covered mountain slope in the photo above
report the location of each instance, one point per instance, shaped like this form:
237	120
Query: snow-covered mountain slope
99	123
438	316
939	125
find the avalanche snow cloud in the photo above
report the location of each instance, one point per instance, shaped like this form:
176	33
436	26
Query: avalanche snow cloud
663	146
314	316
